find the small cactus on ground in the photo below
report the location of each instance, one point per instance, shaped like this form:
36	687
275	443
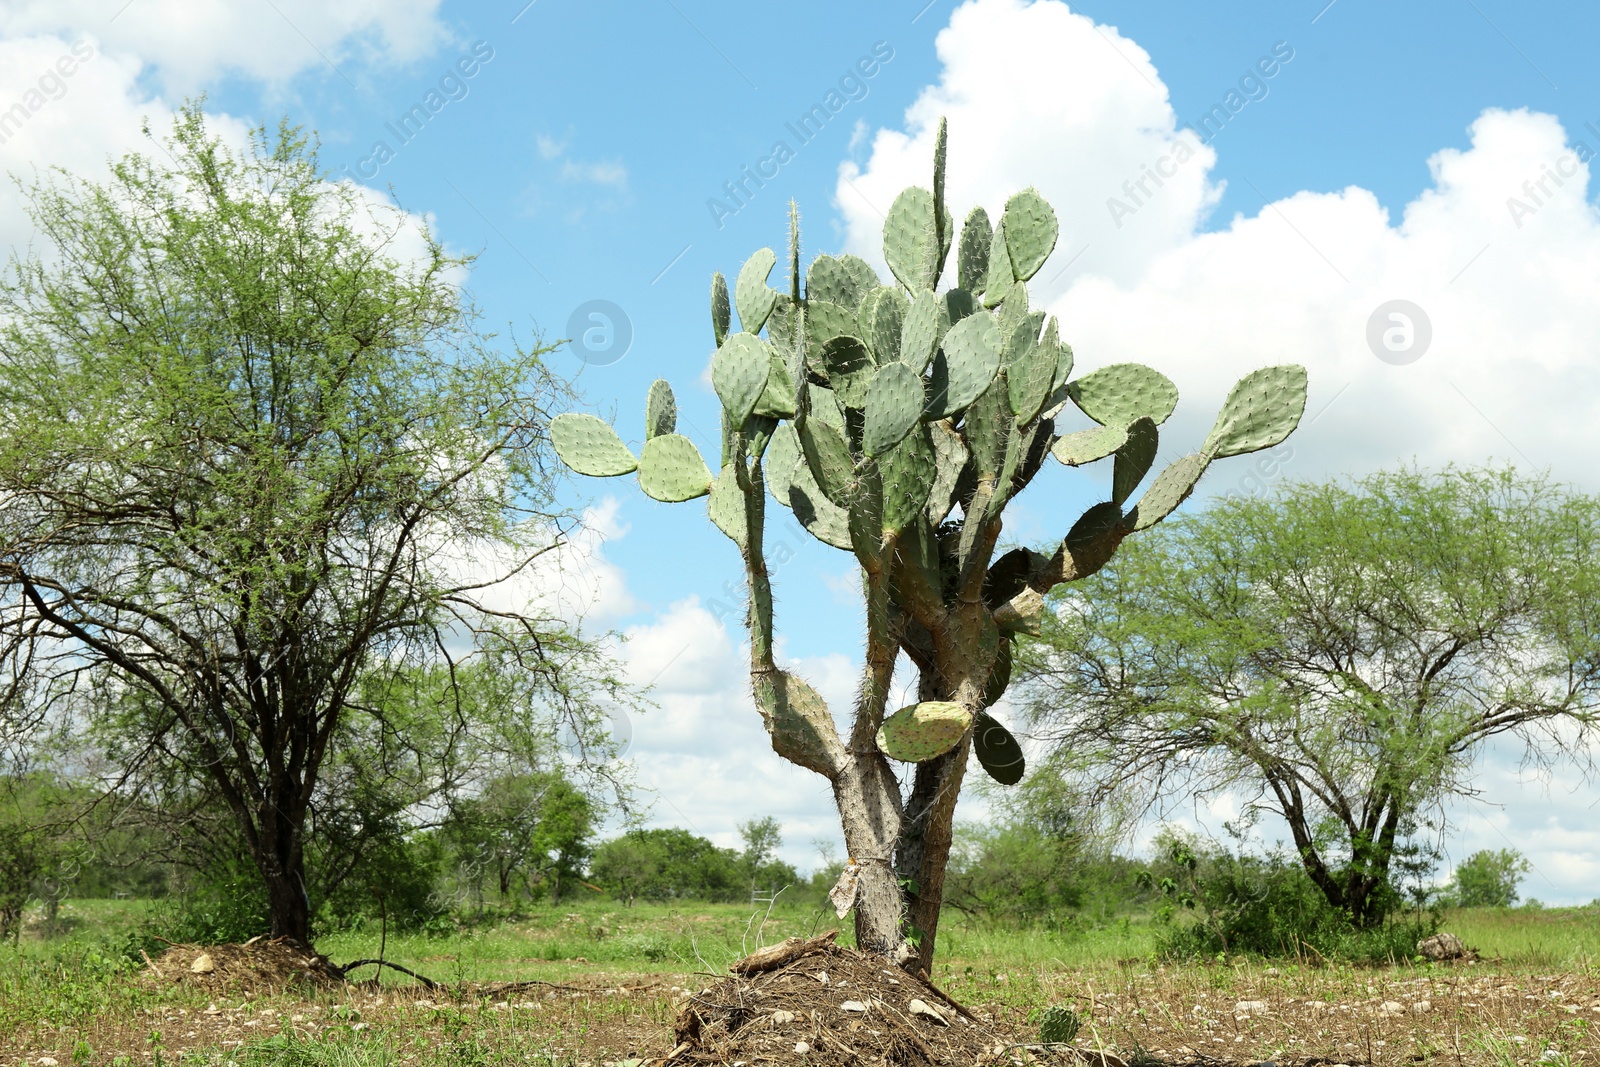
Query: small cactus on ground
896	421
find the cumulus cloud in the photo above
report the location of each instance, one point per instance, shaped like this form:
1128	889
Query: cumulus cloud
1501	253
190	44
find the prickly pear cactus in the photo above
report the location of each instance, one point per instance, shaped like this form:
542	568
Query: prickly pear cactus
896	418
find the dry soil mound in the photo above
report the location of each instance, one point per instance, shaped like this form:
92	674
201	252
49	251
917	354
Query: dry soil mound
258	964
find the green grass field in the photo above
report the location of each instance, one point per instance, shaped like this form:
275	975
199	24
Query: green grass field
612	977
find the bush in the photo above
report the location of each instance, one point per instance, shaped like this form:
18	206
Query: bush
1266	906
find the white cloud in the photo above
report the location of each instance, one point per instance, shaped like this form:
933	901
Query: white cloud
1037	95
191	43
1504	267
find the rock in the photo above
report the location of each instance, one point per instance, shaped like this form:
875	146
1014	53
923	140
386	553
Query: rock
1392	1007
1421	1007
1250	1007
852	1005
1441	947
917	1007
203	964
782	1018
1272	972
801	1048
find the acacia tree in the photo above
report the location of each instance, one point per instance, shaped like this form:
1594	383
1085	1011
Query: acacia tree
1338	652
896	422
256	451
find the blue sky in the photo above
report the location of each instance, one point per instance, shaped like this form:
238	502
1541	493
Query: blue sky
581	156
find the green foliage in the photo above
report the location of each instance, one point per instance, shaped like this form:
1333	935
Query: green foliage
1338	650
1219	902
257	449
1487	879
674	864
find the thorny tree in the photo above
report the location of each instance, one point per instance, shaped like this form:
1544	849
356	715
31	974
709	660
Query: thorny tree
897	421
1338	653
255	451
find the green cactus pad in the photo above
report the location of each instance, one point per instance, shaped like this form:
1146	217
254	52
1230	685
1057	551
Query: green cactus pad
825	321
822	518
739	373
1087	446
800	722
865	516
972	255
927	321
910	246
726	507
844	280
1094	523
777	399
660	410
589	446
1063	352
671	470
1000	279
987	427
884	322
1119	394
999	679
966	364
894	405
783	453
824	406
924	731
1171	488
952	458
1134	459
958	304
1263	408
1031	232
721	317
1013	312
908	472
827	458
1021	336
850	370
755	299
997	750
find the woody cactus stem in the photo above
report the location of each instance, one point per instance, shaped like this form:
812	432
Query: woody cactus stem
874	412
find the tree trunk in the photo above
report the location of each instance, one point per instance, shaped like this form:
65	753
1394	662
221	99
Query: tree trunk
289	910
868	798
925	846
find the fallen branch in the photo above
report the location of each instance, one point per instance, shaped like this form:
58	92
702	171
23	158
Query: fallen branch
424	979
774	956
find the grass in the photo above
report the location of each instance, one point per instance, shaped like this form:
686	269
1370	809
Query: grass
614	976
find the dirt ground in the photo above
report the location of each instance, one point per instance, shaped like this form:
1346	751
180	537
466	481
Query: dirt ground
265	1005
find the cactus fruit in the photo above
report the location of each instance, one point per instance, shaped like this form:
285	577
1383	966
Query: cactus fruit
1263	408
875	412
589	446
671	470
751	292
923	731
